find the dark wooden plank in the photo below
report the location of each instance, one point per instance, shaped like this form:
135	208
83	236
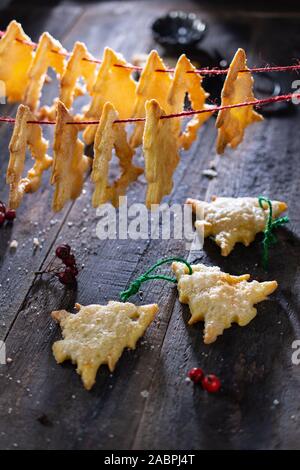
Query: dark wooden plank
253	362
114	415
34	218
115	404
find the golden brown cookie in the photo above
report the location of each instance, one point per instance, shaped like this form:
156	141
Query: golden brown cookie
115	84
70	163
238	88
98	334
151	85
160	146
15	61
191	83
25	135
219	298
109	137
49	53
230	220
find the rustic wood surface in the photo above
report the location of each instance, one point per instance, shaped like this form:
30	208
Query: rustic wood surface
43	405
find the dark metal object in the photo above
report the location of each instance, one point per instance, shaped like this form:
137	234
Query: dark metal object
178	30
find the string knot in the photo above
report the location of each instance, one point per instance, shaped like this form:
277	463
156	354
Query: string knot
135	285
269	237
133	289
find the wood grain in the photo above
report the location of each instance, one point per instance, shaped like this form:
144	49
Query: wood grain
43	405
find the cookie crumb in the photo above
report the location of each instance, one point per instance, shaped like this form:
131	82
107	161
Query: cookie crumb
210	173
13	245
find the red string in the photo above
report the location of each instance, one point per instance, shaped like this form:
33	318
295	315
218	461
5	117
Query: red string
204	71
7	119
34	45
256	103
96	61
46	122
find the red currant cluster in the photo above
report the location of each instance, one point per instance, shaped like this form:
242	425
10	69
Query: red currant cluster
67	271
210	382
68	275
6	214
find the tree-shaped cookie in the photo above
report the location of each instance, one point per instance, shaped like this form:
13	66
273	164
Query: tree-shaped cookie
219	298
160	146
49	53
26	135
114	84
238	88
15	60
152	85
109	136
185	81
230	220
79	65
70	163
98	334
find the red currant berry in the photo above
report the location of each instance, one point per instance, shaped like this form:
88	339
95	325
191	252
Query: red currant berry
2	207
10	214
196	375
2	218
211	383
63	251
69	260
72	269
66	278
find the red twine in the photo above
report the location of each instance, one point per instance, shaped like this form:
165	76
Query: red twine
214	109
204	71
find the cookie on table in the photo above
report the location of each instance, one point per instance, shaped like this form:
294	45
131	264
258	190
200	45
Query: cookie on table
230	220
219	299
98	334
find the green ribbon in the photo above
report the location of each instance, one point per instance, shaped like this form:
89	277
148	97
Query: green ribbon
135	285
269	237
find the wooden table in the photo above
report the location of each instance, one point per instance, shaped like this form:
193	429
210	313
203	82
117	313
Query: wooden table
43	405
